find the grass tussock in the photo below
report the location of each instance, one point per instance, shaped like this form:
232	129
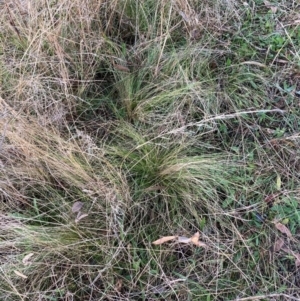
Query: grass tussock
153	119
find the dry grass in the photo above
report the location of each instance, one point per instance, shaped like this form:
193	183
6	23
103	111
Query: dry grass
161	119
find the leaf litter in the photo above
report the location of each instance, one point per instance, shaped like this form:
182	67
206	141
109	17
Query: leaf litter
283	229
77	206
26	259
279	243
182	239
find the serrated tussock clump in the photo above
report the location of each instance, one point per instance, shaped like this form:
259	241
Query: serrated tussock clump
149	150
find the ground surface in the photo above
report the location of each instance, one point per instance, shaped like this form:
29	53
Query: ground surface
126	122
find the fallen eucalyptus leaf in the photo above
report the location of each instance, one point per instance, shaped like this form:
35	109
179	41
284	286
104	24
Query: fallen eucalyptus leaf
201	244
121	68
296	255
278	244
184	239
283	229
77	206
26	259
196	242
195	238
163	240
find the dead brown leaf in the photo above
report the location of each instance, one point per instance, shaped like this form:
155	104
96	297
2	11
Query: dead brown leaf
121	68
26	259
184	239
163	240
200	244
269	199
77	206
297	263
195	238
287	250
296	255
196	242
278	244
283	229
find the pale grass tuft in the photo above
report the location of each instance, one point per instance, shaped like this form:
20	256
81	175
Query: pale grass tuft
125	121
